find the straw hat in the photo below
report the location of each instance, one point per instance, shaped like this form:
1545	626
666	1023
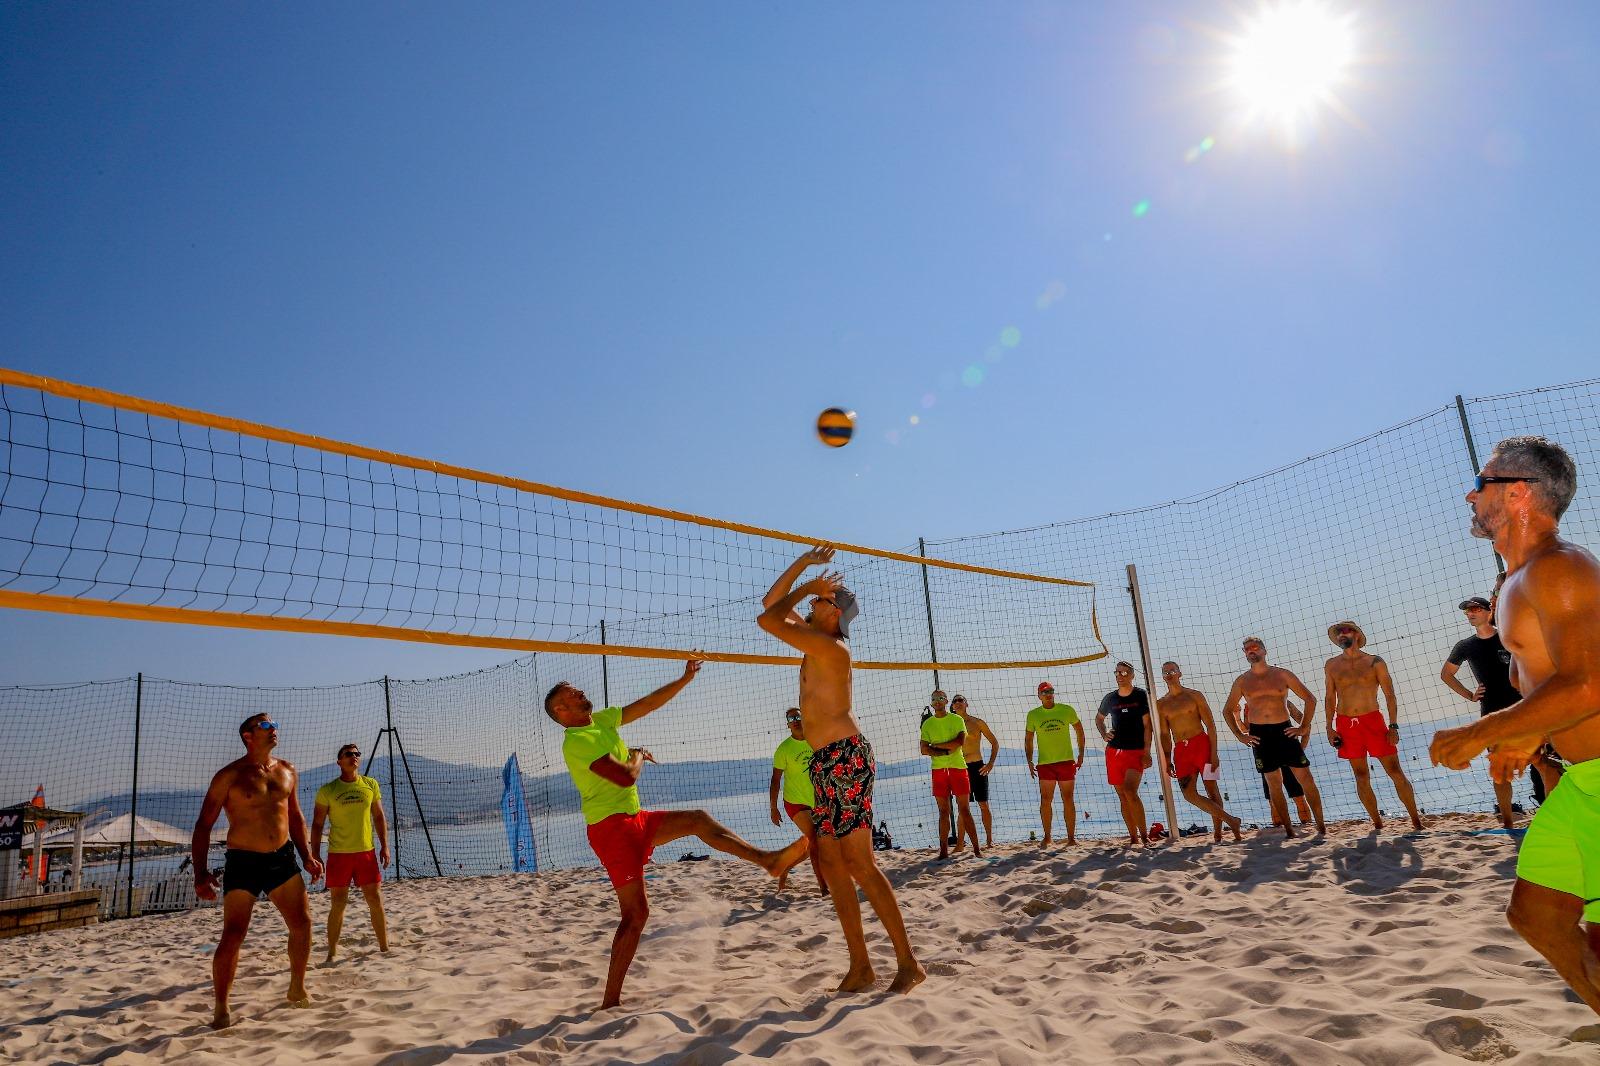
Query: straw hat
1333	633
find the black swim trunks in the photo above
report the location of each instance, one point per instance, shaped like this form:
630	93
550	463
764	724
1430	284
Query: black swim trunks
842	774
979	783
1291	787
259	872
1277	750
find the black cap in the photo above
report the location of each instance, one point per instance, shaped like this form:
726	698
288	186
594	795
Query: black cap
1473	601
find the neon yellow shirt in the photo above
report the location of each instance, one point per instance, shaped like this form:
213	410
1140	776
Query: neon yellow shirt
793	757
1052	729
349	806
582	746
937	730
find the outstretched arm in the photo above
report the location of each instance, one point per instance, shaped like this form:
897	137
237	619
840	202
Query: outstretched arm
781	621
657	699
821	555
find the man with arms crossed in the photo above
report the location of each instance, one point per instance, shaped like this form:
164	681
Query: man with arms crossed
1277	745
1550	621
1127	747
1191	736
1491	668
977	770
1356	727
266	828
942	737
842	768
352	806
791	765
622	835
1057	766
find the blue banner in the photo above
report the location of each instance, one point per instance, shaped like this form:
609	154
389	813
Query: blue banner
519	830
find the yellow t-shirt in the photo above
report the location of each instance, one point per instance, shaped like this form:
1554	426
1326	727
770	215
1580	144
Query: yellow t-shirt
793	757
581	746
937	730
349	806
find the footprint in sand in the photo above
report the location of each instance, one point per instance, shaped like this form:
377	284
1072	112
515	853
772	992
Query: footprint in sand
1585	1034
1468	1038
1451	998
1045	902
1175	925
811	943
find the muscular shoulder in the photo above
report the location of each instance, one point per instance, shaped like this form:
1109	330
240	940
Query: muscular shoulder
1565	571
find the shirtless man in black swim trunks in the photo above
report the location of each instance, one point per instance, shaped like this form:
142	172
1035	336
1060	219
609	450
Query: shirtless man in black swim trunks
265	829
1277	741
842	766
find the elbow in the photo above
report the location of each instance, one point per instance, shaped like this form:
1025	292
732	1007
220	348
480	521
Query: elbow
766	620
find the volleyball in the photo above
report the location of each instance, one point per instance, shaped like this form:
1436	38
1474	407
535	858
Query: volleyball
835	426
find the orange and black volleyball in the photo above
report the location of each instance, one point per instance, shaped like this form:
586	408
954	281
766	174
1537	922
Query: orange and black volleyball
835	426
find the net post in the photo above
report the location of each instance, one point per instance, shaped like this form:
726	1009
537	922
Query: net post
133	798
927	603
605	672
421	815
1472	454
1155	711
394	797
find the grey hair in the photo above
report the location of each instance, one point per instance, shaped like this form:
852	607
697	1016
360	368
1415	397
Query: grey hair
1546	460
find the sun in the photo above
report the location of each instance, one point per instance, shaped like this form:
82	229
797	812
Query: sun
1289	62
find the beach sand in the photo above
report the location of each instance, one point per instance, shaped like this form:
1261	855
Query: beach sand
1358	949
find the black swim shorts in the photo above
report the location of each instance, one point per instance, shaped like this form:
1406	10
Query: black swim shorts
979	783
1277	750
259	872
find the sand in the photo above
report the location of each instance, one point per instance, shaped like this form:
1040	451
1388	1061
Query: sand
1359	949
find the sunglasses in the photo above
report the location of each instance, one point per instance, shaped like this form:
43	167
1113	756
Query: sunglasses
793	719
1047	692
266	725
1481	480
350	755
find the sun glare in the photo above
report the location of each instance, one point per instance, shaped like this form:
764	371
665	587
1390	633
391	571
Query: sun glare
1289	61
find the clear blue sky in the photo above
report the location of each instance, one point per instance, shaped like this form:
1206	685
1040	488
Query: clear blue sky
634	249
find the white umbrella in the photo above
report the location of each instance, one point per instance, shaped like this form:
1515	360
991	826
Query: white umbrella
121	829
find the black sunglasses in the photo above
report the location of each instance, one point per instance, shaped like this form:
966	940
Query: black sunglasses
350	755
1481	480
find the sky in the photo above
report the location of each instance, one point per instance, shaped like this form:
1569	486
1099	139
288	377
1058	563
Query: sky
637	255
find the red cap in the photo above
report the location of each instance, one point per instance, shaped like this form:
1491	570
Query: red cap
1046	685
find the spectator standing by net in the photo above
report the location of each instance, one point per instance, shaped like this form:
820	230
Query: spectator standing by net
941	739
1277	740
1128	741
1191	735
791	768
352	807
1550	622
1054	725
1356	727
977	770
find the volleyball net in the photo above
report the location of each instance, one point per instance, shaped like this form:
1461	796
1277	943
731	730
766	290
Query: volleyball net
118	506
1375	531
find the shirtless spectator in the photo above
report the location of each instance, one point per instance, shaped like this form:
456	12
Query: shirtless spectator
1191	740
266	829
1279	743
1356	727
1550	622
977	769
842	766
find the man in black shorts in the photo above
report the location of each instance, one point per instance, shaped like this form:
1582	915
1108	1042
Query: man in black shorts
1278	741
977	770
1291	784
1491	668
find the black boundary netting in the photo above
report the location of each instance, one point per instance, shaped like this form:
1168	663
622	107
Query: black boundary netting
1375	531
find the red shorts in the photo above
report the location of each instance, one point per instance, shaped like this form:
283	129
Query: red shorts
623	844
1364	735
1058	771
346	868
1192	756
1120	760
951	781
792	809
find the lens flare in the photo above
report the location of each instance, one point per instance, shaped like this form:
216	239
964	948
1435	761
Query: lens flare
1288	63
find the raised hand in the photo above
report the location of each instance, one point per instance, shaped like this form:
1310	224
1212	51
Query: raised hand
820	555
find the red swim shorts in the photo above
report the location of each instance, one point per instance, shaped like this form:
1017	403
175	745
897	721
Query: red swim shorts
623	844
1058	771
792	809
1192	756
951	781
1364	735
1120	760
346	868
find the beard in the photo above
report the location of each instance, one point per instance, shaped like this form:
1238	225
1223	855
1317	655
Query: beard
1346	642
1480	527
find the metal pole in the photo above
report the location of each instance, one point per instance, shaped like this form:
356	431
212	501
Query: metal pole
1472	453
394	799
927	602
421	816
1155	709
605	674
133	801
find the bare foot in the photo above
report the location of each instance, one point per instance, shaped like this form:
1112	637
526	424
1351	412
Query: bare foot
1416	823
1233	827
1216	833
1322	830
221	1019
1045	843
1377	825
779	863
910	976
297	996
608	1004
859	979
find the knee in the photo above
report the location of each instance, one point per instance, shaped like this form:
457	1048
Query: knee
636	916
